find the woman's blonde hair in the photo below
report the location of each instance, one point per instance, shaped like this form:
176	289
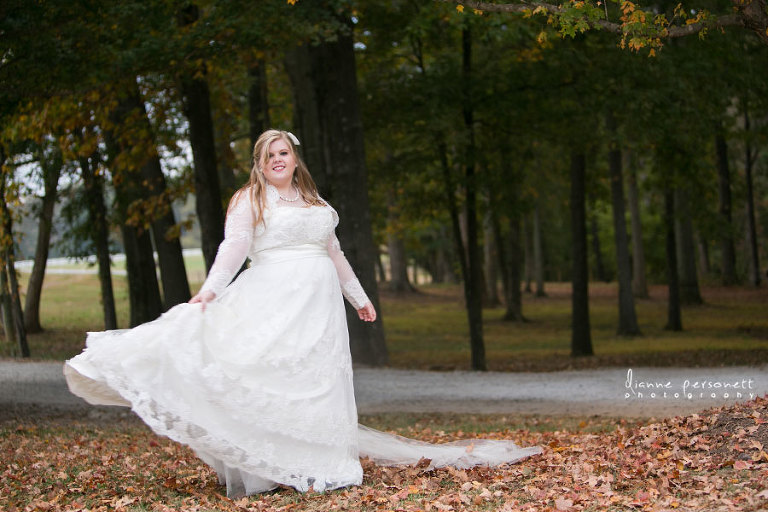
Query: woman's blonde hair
257	183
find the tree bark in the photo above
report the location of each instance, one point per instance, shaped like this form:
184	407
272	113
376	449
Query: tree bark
51	173
581	336
9	265
398	265
513	298
528	245
600	272
258	100
328	115
674	319
639	282
143	289
474	265
749	160
627	316
538	252
168	246
398	261
94	196
7	311
491	259
686	251
703	247
197	109
727	249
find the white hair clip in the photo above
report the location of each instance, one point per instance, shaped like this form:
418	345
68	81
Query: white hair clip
293	139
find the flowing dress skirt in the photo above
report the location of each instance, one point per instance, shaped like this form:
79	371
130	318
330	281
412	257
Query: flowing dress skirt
259	384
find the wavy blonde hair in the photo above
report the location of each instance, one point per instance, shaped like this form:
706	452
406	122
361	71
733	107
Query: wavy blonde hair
256	188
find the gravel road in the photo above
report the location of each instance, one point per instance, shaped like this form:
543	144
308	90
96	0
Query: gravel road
30	389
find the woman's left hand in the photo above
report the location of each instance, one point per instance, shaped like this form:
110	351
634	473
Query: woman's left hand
367	313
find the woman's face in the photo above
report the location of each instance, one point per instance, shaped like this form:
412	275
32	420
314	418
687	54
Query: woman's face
281	164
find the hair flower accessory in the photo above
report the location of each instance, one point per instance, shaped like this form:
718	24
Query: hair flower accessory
293	138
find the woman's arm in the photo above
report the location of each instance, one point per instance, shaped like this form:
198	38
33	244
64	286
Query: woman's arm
238	235
350	286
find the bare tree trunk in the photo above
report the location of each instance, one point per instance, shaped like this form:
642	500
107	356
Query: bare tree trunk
538	252
398	261
581	335
94	196
627	316
143	288
686	252
703	249
528	245
258	104
7	312
600	272
674	318
491	259
639	282
749	160
398	265
474	265
8	258
727	249
197	109
51	173
513	297
327	111
173	272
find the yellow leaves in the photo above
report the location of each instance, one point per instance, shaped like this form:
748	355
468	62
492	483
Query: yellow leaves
627	7
477	12
291	2
460	8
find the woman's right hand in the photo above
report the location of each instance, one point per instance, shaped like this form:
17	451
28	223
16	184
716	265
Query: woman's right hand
203	298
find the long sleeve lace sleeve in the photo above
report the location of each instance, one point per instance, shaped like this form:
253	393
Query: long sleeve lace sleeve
238	235
350	286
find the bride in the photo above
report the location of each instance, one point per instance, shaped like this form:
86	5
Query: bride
256	375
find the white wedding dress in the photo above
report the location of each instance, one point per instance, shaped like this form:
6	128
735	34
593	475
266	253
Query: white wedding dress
259	384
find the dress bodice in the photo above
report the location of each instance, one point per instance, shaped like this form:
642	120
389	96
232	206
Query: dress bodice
284	227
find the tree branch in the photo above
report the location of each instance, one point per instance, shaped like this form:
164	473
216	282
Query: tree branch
743	18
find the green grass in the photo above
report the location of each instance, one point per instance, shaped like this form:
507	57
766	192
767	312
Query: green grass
428	330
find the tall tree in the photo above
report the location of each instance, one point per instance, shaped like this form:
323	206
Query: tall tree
474	284
8	260
727	248
581	333
93	183
328	119
52	166
197	109
627	316
143	288
674	318
639	282
749	161
686	251
154	207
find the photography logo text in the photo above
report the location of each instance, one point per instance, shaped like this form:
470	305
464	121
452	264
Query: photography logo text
688	389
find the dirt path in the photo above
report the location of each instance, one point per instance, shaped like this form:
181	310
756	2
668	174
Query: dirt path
29	389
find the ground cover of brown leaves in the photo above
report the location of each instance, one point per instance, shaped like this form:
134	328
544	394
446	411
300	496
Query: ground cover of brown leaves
713	461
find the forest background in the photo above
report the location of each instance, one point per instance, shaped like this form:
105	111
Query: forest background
499	150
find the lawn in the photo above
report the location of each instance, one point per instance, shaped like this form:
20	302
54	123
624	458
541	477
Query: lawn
428	330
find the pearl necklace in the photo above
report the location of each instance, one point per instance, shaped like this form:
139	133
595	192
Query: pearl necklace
289	200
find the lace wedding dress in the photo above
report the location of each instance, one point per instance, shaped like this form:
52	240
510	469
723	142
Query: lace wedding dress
259	384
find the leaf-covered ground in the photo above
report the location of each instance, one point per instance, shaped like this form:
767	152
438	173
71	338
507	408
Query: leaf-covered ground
712	461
